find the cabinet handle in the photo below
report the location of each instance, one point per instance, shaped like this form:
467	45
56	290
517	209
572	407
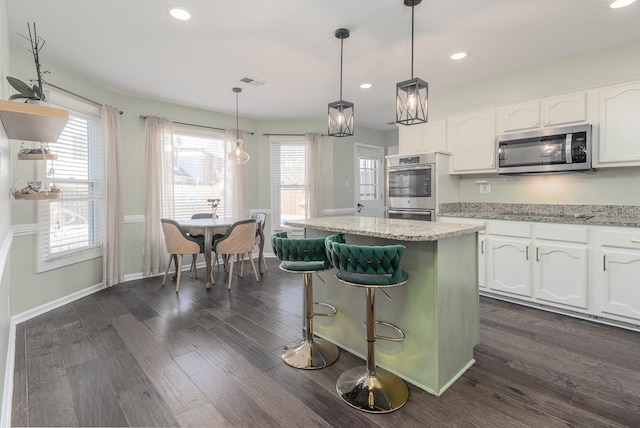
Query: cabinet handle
481	247
537	257
493	161
527	253
604	262
636	241
535	123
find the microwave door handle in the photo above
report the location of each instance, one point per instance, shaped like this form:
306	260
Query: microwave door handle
567	148
409	168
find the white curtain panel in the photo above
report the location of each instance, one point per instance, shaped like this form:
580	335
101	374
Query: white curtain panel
239	186
158	192
112	242
313	195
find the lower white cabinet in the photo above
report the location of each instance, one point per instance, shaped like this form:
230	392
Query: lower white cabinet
509	268
561	274
482	261
620	285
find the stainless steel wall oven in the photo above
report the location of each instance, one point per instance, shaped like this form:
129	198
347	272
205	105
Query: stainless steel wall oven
411	187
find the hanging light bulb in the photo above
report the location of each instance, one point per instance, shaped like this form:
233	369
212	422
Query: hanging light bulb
238	155
412	95
341	112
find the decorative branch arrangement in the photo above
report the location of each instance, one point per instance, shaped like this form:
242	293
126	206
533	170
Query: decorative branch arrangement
35	90
213	203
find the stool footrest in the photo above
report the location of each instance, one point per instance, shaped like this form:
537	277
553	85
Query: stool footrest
333	312
401	334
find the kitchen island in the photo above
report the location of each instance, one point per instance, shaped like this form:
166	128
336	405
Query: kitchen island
437	308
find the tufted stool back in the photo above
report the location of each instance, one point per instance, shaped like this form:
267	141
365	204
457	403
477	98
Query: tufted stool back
366	265
300	254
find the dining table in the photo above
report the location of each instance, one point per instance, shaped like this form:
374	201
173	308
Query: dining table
209	227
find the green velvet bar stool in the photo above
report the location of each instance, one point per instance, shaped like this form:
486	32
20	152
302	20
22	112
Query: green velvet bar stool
306	256
370	388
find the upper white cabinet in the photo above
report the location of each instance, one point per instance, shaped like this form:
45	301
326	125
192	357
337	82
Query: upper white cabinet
552	111
619	124
472	140
426	138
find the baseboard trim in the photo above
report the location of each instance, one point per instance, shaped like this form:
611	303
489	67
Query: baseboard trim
32	313
7	394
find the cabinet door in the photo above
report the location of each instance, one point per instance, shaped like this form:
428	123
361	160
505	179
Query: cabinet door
410	139
473	142
619	137
482	262
620	284
509	268
564	109
521	116
434	136
561	274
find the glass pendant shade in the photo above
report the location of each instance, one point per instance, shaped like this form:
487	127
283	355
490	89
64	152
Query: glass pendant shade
340	119
412	101
238	155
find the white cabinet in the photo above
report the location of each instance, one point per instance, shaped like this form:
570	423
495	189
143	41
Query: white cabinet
482	261
619	124
561	264
620	285
472	140
509	269
551	111
426	138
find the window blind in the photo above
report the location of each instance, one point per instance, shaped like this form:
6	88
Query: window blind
201	171
288	182
74	223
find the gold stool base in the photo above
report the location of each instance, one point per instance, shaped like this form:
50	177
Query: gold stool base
383	392
310	354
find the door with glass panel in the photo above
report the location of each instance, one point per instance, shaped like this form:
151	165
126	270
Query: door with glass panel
368	180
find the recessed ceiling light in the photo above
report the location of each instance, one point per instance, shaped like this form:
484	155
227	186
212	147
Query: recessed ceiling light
616	4
366	85
458	55
179	12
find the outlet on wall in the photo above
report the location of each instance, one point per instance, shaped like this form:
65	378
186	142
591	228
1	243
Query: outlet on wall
484	186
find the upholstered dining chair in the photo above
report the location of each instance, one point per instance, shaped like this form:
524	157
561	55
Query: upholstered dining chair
179	243
239	239
261	218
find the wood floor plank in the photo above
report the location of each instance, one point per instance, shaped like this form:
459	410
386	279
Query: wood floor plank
249	349
74	344
170	338
225	395
20	407
177	390
94	400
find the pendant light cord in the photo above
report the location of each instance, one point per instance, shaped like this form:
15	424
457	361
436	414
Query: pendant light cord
237	122
412	6
341	55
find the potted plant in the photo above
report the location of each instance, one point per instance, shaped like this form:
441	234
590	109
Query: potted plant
33	91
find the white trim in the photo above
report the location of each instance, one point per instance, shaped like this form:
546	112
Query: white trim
338	211
32	313
7	395
25	229
68	259
136	218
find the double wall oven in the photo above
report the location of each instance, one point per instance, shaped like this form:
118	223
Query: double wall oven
411	187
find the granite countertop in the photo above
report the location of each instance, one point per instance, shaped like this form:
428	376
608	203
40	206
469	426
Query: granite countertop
592	215
388	228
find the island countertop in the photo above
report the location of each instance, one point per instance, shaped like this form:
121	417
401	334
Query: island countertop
387	228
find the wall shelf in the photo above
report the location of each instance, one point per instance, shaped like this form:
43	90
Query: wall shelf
36	156
32	122
38	196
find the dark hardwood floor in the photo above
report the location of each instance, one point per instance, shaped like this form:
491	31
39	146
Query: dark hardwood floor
138	354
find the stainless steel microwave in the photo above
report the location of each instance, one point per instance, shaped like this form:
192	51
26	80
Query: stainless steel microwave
566	148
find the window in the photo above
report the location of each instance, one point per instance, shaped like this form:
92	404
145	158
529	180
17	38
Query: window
71	227
288	181
201	171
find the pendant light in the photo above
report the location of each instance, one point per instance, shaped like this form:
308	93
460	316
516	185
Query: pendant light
412	95
341	112
238	155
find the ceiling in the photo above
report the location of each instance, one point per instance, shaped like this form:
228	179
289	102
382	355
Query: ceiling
136	48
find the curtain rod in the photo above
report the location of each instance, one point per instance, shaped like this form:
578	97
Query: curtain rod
76	95
289	135
143	117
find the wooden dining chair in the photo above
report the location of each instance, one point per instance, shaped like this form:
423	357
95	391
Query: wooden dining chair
260	222
239	239
215	236
179	243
